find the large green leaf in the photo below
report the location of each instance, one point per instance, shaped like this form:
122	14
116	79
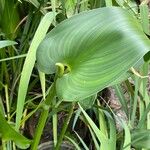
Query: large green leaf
97	47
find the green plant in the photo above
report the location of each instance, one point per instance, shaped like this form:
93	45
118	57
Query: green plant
87	52
7	132
90	58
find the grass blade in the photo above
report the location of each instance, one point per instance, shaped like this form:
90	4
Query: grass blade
127	137
102	121
73	142
42	80
29	64
112	132
5	43
108	3
94	139
83	143
98	133
78	112
14	57
144	14
143	117
121	97
135	100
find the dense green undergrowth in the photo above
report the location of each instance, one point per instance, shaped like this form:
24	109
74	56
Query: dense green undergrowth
58	56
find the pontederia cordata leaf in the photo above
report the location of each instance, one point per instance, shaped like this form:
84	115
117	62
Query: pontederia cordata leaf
96	47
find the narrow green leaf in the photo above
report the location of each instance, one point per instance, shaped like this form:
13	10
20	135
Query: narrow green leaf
105	142
144	71
82	142
98	133
127	137
42	80
14	57
141	108
78	112
144	14
144	92
121	97
131	5
73	142
101	137
2	109
37	5
29	64
94	139
112	132
102	120
143	116
6	43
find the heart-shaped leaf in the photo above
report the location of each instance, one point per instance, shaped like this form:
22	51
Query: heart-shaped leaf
95	47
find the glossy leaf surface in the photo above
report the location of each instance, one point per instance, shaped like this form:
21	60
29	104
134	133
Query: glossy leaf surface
97	47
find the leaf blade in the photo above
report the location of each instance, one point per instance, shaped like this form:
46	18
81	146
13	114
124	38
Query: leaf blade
29	64
5	43
96	53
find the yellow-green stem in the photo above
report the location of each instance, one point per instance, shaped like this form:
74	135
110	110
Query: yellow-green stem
43	118
64	128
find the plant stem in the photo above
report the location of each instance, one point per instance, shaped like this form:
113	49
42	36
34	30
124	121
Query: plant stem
54	125
4	145
64	128
7	102
43	117
130	88
135	101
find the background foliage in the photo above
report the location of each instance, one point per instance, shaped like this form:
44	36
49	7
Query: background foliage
83	65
